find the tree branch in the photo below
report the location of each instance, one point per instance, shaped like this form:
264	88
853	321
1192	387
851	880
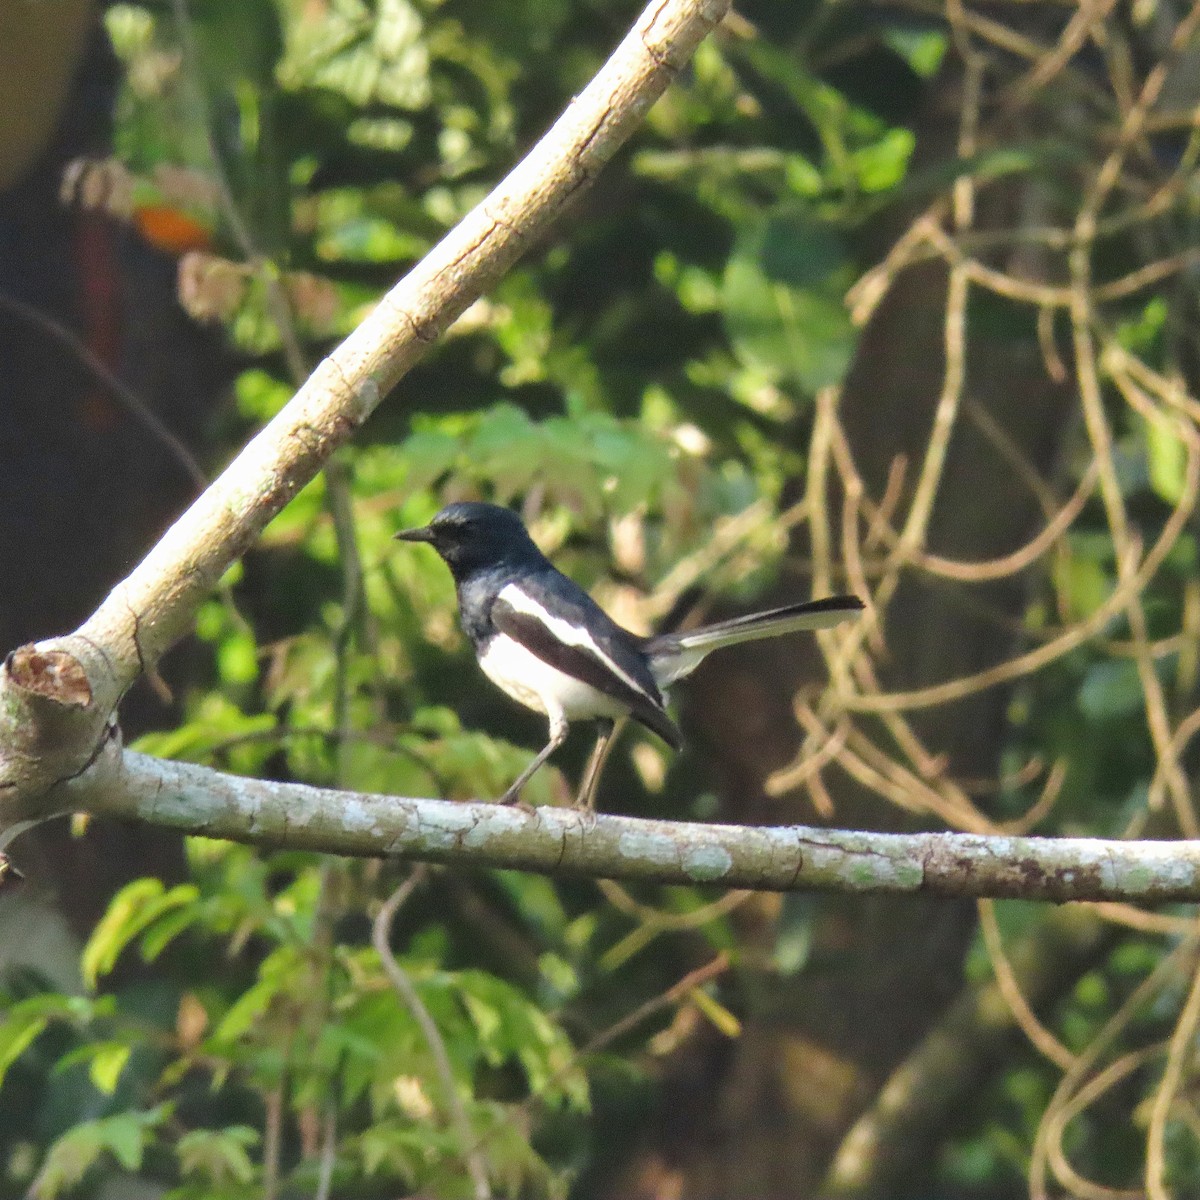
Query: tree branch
403	986
554	841
908	1117
164	590
153	607
59	750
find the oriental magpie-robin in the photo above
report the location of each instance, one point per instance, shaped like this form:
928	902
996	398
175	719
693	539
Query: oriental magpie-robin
543	640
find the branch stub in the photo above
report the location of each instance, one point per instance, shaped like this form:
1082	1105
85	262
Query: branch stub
53	675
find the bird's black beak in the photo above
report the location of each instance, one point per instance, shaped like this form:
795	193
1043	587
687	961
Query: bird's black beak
424	534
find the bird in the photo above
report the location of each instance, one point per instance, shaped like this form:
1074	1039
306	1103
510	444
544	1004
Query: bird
546	643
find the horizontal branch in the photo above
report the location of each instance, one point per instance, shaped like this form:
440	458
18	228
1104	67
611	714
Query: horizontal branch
553	841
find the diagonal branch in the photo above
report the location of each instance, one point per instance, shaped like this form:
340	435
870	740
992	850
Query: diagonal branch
164	590
907	1119
153	607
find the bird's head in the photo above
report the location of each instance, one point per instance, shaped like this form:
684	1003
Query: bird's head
472	536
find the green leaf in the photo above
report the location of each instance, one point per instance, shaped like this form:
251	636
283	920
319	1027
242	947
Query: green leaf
237	657
1083	582
429	453
220	1155
163	932
884	164
1142	332
107	1064
922	49
68	1160
783	295
505	448
278	973
16	1035
393	1146
1167	457
124	1136
215	723
260	396
1111	689
132	909
365	55
508	1025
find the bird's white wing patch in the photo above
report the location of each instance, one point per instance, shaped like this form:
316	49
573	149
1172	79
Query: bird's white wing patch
572	635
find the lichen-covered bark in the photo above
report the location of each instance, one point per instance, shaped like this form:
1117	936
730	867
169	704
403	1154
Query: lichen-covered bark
556	841
153	607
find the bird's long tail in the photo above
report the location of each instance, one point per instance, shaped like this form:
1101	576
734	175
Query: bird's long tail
674	655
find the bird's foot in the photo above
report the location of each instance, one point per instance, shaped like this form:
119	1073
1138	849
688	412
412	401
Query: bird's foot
585	807
512	798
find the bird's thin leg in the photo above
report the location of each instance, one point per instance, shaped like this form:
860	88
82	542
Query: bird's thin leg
558	735
606	739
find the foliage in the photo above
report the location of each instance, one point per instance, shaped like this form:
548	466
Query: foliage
643	387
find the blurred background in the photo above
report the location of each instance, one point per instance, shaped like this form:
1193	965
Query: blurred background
893	297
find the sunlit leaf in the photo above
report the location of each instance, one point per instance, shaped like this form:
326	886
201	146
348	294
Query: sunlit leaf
106	1066
125	1136
1168	457
130	911
17	1033
716	1012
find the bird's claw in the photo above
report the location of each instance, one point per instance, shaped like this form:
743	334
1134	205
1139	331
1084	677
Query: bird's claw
512	799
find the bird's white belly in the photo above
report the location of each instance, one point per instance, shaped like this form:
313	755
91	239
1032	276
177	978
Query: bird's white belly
538	685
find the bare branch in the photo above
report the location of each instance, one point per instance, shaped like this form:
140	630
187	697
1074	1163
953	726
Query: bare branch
163	591
134	405
555	841
909	1115
153	607
403	986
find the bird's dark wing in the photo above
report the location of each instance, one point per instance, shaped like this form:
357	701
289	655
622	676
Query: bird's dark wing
557	621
